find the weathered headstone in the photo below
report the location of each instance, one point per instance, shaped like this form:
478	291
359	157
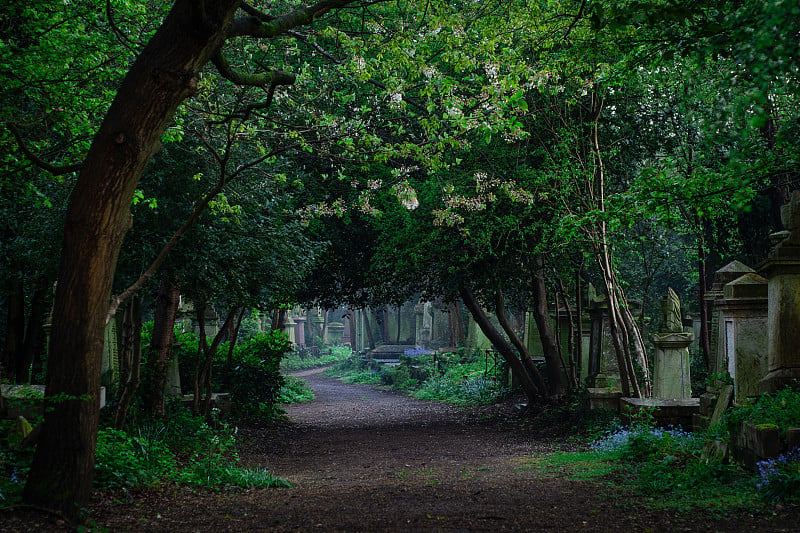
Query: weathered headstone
476	340
671	372
743	318
722	277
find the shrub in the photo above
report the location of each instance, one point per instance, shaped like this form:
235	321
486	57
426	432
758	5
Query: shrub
781	408
295	390
255	378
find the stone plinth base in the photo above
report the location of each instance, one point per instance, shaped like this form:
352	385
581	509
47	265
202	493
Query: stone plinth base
604	399
389	353
667	412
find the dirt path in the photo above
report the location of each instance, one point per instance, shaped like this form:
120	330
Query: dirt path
367	460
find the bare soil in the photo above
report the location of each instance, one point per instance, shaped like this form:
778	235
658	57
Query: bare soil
362	459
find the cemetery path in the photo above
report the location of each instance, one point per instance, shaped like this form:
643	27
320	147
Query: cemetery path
362	459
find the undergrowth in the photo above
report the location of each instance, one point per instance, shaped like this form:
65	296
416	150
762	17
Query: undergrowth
179	449
295	390
448	377
304	360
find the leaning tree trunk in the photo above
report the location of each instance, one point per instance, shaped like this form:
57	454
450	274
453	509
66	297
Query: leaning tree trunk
533	384
98	216
167	302
522	352
541	315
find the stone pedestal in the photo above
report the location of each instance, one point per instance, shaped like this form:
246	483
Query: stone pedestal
783	319
288	328
316	322
300	330
671	374
782	268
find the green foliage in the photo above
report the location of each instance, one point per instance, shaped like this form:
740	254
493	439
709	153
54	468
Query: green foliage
781	408
670	464
126	461
255	380
179	449
327	356
354	369
448	377
14	463
295	390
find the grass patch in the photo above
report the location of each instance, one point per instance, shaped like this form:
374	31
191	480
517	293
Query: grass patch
327	356
580	466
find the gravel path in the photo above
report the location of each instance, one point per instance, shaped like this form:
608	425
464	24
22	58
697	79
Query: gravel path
361	459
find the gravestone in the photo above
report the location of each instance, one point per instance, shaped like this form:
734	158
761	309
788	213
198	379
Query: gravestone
603	365
722	277
288	328
476	340
782	269
743	319
299	330
315	322
671	373
335	333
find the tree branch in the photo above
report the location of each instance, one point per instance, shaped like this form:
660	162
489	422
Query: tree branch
52	169
116	301
264	79
259	24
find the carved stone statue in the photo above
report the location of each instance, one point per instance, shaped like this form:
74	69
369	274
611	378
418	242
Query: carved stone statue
671	318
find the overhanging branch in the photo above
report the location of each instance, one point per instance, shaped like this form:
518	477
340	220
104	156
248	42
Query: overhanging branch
262	79
258	24
55	170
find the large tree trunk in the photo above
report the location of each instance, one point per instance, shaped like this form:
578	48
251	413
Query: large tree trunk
167	302
98	216
234	336
522	350
533	389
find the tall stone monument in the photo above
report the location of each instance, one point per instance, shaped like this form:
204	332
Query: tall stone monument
743	323
671	374
782	269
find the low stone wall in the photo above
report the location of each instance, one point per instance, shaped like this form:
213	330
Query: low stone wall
751	443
